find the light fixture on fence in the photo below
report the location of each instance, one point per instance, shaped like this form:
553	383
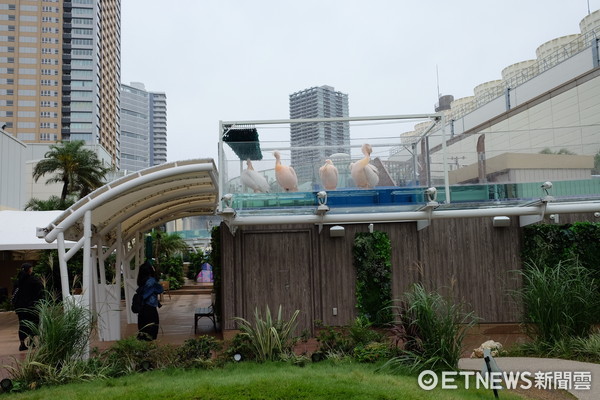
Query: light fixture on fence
554	218
546	186
237	357
322	200
227	201
500	222
431	196
337	231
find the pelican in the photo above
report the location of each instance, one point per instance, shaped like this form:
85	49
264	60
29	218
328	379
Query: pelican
285	175
365	175
329	175
253	180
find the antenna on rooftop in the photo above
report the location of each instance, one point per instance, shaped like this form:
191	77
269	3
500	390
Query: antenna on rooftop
437	77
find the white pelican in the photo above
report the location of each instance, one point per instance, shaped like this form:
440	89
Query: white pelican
329	175
364	173
253	180
285	175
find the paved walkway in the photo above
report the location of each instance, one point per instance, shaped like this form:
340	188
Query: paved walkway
176	326
533	365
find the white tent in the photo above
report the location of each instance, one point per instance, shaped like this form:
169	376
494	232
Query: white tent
18	230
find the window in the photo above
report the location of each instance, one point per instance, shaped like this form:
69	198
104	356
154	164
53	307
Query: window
81	125
82	21
48	82
81	73
26	114
51	93
49	104
48	125
48	136
27	82
26	125
30	50
26	92
7	7
6	103
28	8
26	103
27	39
83	31
81	52
49	61
6	113
50	40
7	49
26	136
26	60
9	60
81	63
82	1
84	42
82	11
81	116
27	71
81	105
49	72
26	28
82	84
9	39
28	18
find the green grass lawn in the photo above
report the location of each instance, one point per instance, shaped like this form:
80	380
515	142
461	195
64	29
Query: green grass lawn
246	380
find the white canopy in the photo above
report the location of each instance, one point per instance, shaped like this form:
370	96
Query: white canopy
18	229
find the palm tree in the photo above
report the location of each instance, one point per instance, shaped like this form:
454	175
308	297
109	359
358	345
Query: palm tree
52	203
79	169
165	245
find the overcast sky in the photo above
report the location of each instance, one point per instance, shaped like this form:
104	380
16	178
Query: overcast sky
241	59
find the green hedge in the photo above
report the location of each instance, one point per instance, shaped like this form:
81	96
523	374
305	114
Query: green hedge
372	260
549	244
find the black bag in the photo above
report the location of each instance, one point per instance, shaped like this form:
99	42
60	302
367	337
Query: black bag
137	302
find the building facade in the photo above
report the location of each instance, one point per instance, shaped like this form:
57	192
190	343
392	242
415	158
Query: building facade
332	137
143	127
543	106
60	67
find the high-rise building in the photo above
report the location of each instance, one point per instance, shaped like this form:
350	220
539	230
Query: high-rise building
60	68
333	137
158	128
143	127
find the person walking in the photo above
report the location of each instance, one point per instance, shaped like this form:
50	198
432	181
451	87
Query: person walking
149	289
28	291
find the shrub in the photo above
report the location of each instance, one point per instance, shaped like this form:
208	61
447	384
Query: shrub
239	344
61	340
559	301
194	351
269	337
372	352
130	355
334	340
432	329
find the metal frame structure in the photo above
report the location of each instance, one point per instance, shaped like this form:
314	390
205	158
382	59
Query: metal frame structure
114	219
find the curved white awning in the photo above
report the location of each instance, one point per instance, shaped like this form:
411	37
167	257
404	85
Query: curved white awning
142	201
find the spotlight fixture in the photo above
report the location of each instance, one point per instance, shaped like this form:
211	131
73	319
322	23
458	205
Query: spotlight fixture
6	385
322	200
145	365
237	357
501	221
545	187
228	211
431	196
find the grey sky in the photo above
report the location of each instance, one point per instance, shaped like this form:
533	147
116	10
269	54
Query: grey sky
240	59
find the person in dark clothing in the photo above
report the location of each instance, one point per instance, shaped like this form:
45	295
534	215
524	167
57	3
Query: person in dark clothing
149	288
28	291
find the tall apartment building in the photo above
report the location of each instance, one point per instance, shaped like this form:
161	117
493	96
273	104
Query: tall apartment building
158	128
317	102
143	127
60	71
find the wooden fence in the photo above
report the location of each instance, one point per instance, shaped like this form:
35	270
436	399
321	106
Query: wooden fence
301	268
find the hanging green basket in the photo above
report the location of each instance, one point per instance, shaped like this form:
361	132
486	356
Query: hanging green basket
244	142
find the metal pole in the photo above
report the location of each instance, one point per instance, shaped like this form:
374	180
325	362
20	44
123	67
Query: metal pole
445	158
